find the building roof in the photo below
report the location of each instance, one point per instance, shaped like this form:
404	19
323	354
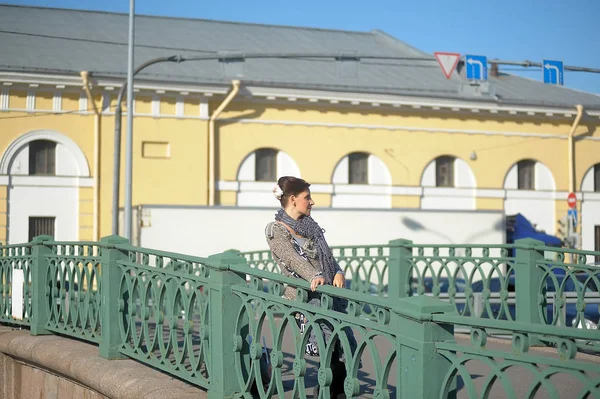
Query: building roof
61	41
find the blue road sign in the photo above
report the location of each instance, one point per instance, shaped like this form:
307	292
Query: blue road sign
573	214
553	72
476	67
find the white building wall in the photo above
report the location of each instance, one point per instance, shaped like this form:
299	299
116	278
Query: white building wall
540	210
462	196
378	172
544	181
20	163
428	177
256	194
60	202
247	171
511	181
587	184
538	205
590	211
44	196
359	199
590	218
340	173
463	175
203	231
286	166
448	198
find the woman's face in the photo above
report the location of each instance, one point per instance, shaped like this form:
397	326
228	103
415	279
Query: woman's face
303	203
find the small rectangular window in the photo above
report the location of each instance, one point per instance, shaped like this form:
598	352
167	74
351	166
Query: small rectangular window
265	166
358	168
526	175
444	172
41	226
597	178
42	158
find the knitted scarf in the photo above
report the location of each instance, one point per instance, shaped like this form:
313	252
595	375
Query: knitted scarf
307	227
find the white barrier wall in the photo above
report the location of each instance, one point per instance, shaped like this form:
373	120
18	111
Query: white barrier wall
204	231
35	201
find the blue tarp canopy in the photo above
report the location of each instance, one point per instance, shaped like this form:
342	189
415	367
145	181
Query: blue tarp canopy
519	227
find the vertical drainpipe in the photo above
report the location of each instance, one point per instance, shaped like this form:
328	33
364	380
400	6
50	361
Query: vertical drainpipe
211	140
571	150
97	126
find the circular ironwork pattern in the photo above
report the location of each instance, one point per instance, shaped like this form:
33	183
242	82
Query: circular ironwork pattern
163	320
500	370
73	291
271	320
474	279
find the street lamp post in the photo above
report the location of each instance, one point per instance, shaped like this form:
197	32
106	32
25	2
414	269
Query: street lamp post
117	143
129	140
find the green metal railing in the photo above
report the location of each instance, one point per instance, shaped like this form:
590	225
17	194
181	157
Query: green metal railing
218	322
73	288
479	280
15	257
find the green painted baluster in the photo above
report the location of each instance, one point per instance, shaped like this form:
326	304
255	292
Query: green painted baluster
528	277
110	277
224	307
40	296
421	369
399	268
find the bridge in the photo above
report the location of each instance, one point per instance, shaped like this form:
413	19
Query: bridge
508	321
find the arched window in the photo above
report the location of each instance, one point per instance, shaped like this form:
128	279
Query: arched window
42	158
448	171
529	175
267	165
361	180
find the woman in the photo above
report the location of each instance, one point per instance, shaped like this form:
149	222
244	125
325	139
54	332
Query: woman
299	247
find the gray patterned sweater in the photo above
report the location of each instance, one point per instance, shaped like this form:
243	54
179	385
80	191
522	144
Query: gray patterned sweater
293	260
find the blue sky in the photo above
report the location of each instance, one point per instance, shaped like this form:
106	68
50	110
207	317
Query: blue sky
515	30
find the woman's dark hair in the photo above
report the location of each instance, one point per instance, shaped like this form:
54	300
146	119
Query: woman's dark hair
291	185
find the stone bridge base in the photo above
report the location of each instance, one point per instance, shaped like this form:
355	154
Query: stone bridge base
52	367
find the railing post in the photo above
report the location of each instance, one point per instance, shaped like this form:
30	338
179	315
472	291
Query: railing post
421	369
399	268
110	277
528	277
224	307
39	285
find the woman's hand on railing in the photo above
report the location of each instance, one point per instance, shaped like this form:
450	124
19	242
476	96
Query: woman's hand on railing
339	281
317	281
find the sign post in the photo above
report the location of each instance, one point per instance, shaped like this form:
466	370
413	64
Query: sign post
572	220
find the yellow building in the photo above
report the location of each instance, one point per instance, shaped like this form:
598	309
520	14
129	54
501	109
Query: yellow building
368	133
